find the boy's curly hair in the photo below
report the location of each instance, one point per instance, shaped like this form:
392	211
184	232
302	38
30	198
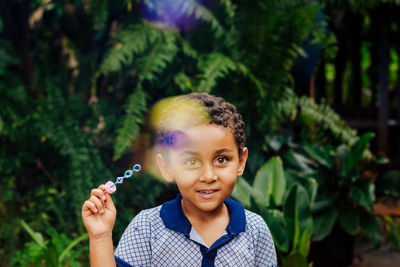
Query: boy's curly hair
223	113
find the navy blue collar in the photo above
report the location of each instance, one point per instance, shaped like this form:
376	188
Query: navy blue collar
173	217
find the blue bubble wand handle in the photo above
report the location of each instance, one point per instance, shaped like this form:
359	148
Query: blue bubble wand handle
111	187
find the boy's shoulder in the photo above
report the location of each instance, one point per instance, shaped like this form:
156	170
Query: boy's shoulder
254	221
148	215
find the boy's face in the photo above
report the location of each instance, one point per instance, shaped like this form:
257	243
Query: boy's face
205	167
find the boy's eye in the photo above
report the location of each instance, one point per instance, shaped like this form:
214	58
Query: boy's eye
192	163
221	160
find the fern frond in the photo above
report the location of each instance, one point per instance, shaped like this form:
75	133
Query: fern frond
129	42
258	84
184	82
57	123
328	119
213	67
186	48
199	11
99	12
162	54
322	115
129	130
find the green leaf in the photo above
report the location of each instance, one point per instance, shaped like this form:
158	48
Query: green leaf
274	219
295	260
323	224
370	225
311	185
71	246
342	153
322	155
159	57
364	194
129	42
304	244
322	203
270	181
242	191
129	131
184	82
213	67
37	237
297	213
349	221
356	153
298	161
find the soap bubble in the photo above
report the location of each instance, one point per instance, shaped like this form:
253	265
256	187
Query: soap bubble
169	120
171	14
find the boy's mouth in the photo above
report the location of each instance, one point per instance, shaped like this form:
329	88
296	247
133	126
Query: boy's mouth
207	193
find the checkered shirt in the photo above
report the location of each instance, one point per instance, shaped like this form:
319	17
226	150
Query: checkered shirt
162	236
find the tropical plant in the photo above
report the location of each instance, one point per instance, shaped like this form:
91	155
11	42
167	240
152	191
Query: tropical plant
54	252
344	186
321	186
286	208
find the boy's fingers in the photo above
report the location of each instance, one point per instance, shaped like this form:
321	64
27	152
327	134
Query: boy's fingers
89	207
99	193
97	202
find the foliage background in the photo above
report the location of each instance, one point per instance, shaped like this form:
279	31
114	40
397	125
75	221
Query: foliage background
78	77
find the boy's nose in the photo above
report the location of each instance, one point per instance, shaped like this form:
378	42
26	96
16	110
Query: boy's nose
208	175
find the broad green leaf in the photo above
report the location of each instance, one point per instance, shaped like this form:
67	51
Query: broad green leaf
270	181
322	204
297	213
295	260
310	184
72	245
320	154
35	235
356	153
370	225
275	222
349	221
291	177
304	244
242	192
363	194
298	161
342	152
323	224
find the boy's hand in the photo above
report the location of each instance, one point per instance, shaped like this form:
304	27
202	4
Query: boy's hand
98	213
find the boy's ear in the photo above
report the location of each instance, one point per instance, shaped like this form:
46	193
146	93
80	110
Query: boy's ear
164	168
242	161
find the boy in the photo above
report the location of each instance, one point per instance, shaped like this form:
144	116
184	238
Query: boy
202	226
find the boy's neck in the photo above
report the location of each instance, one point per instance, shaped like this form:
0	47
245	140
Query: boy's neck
205	216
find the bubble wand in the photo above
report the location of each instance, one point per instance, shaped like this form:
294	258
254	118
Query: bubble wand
111	187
